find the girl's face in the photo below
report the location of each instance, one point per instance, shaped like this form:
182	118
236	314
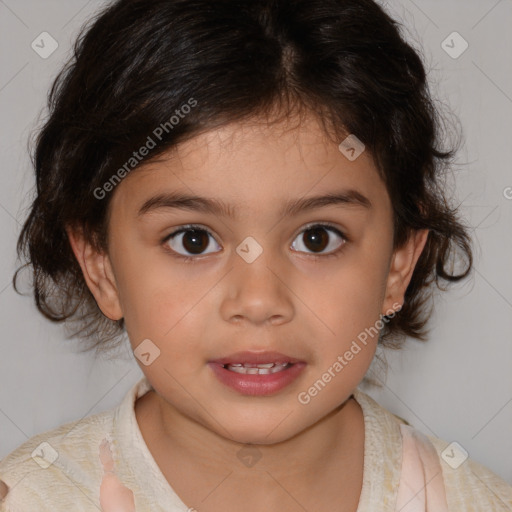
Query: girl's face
270	267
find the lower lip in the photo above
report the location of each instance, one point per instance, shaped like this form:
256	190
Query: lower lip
257	385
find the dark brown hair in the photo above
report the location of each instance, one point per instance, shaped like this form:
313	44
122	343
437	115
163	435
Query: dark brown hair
138	62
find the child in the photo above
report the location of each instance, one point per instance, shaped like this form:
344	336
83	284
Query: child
244	126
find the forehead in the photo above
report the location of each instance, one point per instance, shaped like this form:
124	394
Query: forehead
253	163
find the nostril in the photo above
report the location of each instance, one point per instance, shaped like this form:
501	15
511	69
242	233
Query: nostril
3	490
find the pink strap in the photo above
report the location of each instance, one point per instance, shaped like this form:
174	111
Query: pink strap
114	496
421	487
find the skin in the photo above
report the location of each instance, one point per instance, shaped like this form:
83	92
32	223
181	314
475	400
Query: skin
298	302
114	496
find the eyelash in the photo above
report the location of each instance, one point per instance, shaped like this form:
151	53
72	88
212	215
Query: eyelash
192	259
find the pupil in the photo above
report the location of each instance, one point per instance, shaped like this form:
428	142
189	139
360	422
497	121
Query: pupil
317	239
195	241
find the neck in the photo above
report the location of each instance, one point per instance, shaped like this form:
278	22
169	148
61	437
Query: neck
328	441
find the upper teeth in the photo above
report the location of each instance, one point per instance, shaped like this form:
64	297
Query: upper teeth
256	369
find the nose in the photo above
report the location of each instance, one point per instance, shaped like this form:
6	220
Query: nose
257	293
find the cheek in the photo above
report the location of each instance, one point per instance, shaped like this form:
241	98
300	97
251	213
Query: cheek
150	287
167	306
159	311
351	298
349	303
368	272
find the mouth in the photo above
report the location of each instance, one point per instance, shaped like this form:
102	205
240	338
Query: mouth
257	373
250	359
257	369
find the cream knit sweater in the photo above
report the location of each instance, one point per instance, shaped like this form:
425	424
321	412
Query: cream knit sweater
101	463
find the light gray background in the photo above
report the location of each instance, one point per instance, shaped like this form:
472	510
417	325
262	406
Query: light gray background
457	386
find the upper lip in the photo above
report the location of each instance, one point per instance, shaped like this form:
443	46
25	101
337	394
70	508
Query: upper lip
255	358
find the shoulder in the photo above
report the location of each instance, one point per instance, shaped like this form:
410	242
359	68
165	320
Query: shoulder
469	485
58	467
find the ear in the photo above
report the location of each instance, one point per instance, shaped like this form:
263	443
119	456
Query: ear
98	274
402	266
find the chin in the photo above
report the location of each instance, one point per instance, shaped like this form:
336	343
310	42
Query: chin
259	430
259	437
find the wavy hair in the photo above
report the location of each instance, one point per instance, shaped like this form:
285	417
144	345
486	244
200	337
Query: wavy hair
137	62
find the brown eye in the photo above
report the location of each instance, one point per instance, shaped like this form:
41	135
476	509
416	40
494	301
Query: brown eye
194	241
317	238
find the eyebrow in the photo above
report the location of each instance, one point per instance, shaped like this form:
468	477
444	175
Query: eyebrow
177	200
